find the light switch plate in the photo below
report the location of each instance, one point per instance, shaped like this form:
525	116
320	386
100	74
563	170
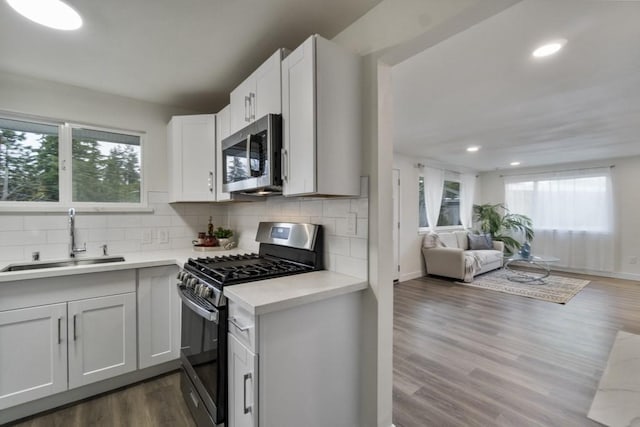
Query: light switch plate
147	237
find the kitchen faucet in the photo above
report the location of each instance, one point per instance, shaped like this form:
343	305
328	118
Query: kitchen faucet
72	246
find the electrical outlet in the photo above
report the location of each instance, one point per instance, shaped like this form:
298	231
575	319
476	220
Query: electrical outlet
633	260
163	236
147	237
352	221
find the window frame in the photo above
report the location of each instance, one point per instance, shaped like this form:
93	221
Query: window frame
65	172
424	230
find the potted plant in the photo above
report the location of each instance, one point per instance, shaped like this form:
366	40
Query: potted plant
224	236
502	224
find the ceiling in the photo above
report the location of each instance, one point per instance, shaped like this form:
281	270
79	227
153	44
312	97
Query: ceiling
187	53
482	87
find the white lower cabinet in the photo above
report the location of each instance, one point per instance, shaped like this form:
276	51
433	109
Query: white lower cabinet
102	338
243	385
33	353
158	316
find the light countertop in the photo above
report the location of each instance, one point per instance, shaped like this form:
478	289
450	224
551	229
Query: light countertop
281	293
132	260
259	297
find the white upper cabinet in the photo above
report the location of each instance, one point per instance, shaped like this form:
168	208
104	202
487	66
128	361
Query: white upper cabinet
258	95
192	143
223	129
321	116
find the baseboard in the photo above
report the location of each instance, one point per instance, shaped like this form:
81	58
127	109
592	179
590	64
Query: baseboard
611	274
70	396
408	276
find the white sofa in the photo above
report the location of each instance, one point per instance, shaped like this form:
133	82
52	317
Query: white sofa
455	259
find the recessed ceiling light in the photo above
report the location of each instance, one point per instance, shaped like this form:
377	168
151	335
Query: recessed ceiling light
515	163
50	13
549	48
473	148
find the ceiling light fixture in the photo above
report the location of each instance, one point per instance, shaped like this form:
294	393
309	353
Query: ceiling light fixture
50	13
515	163
473	148
549	49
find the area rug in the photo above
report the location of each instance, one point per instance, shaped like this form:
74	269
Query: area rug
554	289
617	401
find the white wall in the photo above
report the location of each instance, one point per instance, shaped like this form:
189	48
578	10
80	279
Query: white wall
625	176
26	95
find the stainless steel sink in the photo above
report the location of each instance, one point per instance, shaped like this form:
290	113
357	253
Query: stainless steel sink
64	263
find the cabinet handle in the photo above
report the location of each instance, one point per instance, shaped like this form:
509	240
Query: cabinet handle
234	322
252	105
247	106
284	167
244	394
210	181
59	333
75	337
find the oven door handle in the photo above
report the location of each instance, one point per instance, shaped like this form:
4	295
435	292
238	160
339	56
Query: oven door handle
211	316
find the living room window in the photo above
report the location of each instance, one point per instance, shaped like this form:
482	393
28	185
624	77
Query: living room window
58	164
566	202
449	210
572	214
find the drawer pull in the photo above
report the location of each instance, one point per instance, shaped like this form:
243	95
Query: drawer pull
234	322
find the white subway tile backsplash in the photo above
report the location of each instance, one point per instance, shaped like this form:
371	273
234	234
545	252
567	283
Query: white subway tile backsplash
160	197
57	236
11	222
20	235
124	221
359	248
311	208
11	253
337	245
336	208
351	266
55	221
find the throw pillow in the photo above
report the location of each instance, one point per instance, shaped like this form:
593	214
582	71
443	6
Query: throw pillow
431	240
480	241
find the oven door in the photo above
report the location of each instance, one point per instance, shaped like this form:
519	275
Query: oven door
204	360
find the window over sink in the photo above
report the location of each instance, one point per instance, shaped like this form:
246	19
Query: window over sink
48	163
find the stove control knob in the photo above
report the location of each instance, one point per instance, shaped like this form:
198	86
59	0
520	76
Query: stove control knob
191	282
206	293
179	276
197	288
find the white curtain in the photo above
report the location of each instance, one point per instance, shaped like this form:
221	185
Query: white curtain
433	185
572	214
467	191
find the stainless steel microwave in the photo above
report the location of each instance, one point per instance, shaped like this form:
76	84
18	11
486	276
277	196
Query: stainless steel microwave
251	161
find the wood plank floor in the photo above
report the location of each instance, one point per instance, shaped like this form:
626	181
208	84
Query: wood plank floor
473	357
154	403
462	357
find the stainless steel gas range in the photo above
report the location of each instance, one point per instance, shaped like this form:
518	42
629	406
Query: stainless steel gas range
285	249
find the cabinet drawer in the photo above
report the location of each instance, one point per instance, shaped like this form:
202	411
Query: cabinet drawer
243	326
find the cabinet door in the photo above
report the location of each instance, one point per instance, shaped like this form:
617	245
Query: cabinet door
267	97
158	316
243	385
102	338
298	119
193	140
240	111
33	353
223	130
